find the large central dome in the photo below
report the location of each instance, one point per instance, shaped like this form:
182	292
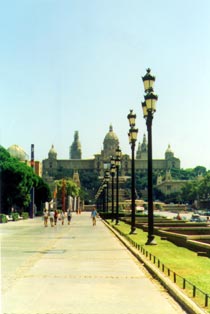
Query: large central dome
111	143
111	135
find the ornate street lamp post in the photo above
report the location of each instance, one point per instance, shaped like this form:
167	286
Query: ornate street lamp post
63	195
99	197
149	108
31	209
0	187
132	140
106	179
112	171
117	164
104	196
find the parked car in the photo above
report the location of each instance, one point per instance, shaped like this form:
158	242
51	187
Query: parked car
197	218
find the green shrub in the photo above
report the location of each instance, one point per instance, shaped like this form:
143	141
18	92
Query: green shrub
25	215
15	216
3	218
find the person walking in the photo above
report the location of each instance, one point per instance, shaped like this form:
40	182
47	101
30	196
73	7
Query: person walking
55	217
62	217
52	217
69	215
94	215
45	217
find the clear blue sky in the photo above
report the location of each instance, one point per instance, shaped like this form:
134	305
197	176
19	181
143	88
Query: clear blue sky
68	65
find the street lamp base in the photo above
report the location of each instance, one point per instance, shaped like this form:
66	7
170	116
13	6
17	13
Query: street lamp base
151	240
133	231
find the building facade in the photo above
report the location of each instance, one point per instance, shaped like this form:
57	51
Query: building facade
54	168
168	185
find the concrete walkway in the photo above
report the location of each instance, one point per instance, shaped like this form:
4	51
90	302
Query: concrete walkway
76	269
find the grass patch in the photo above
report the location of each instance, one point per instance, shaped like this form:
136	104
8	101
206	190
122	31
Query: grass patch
180	260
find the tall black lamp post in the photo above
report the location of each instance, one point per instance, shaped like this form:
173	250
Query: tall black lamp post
104	196
99	197
106	179
117	164
0	187
112	171
149	108
132	140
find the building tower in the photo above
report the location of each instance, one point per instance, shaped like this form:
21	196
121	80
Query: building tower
138	151
76	178
169	153
75	151
141	152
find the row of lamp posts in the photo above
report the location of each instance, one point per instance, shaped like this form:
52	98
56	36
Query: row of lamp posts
149	108
103	190
132	135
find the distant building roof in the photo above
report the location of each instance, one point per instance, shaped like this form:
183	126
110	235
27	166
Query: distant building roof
17	152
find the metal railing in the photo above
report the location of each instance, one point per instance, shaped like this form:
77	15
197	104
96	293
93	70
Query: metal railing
192	291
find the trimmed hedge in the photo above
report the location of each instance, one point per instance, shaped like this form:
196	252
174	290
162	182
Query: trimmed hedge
25	215
15	216
3	218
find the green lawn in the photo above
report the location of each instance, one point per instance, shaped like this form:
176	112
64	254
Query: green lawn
182	261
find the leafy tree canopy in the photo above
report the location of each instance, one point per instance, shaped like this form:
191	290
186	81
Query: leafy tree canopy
68	186
42	193
17	179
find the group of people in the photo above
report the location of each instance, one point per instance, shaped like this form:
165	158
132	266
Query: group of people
54	215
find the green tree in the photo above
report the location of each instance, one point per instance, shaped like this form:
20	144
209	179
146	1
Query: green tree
69	187
4	155
199	170
189	191
204	187
89	185
42	193
197	189
17	179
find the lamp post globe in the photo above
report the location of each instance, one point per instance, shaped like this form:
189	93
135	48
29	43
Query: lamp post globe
131	118
148	80
118	152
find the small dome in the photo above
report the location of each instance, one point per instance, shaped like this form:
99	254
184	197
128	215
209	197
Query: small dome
52	152
168	150
111	135
17	152
169	153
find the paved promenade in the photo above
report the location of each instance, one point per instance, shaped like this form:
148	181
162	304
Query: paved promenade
76	269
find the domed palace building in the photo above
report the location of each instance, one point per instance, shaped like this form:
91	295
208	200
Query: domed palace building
54	168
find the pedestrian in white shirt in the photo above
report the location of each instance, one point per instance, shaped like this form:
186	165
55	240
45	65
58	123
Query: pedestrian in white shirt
52	218
62	217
